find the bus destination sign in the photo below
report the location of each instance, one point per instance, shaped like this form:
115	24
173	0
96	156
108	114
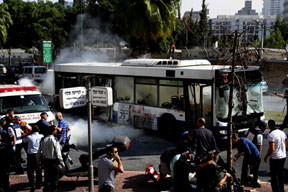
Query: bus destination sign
102	96
72	97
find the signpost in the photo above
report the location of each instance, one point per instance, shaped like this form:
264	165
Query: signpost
72	97
47	52
79	97
102	96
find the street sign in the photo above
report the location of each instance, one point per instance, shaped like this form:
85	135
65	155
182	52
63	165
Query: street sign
72	97
102	96
47	52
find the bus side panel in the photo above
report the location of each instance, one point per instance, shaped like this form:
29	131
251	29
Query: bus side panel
142	116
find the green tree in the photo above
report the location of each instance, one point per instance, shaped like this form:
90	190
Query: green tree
49	24
5	22
204	29
275	40
146	21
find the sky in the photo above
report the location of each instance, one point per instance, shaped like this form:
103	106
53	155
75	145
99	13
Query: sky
220	7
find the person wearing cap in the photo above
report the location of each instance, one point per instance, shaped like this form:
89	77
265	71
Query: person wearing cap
17	137
43	124
62	129
251	157
33	141
50	158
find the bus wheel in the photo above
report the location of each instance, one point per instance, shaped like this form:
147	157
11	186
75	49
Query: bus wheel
167	125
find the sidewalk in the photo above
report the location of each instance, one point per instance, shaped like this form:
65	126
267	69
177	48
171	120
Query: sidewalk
126	182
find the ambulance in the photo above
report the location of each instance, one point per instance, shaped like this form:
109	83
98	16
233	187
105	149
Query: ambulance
26	101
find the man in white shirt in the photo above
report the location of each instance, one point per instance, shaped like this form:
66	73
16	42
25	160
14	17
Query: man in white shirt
277	153
33	141
49	155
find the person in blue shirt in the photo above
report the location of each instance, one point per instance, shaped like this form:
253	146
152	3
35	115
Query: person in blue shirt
43	124
62	129
251	158
33	141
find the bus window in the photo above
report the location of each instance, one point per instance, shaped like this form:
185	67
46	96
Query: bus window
124	89
171	94
146	92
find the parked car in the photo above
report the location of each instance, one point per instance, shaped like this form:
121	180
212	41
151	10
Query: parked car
37	73
264	86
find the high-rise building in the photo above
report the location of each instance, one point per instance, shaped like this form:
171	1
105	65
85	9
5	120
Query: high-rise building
285	12
245	21
247	10
273	7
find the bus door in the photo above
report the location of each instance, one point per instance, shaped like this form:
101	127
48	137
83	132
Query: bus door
198	99
206	104
192	103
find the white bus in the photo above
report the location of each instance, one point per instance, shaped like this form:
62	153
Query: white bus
169	95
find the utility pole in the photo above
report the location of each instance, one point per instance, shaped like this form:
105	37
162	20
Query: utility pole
230	122
91	169
262	40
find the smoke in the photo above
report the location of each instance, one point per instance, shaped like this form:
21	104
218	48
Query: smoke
92	40
47	85
25	82
101	133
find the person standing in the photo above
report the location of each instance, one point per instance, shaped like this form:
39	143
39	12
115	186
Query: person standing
251	157
43	124
203	139
256	135
9	116
16	134
5	151
277	152
284	96
62	129
49	156
33	141
107	169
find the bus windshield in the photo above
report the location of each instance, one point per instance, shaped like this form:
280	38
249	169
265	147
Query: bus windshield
23	104
246	100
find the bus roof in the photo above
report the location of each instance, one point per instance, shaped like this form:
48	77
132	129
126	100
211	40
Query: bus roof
192	69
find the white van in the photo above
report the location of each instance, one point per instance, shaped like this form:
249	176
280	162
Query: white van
26	101
37	73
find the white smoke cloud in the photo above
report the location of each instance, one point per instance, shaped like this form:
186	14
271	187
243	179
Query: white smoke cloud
26	82
101	133
95	39
47	86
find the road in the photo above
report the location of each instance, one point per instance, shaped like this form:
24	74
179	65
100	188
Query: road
273	103
146	148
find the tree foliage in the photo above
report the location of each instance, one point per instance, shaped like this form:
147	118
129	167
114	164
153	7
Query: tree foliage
5	22
275	40
145	24
146	21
